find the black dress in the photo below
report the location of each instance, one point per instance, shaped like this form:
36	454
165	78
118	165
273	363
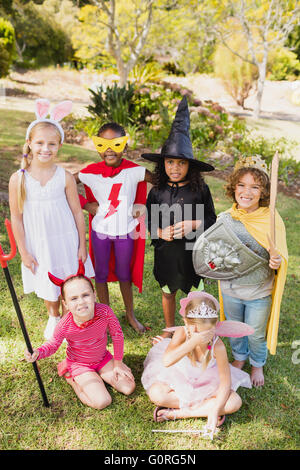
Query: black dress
173	265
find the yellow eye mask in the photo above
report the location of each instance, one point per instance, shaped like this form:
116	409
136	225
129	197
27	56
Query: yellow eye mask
117	145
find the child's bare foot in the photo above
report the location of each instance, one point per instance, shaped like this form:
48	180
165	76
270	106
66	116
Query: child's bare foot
238	364
164	414
136	325
257	376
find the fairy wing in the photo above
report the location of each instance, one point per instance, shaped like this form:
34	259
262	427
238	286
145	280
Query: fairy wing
228	328
233	329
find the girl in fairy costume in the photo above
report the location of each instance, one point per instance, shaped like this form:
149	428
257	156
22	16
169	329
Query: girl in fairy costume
189	376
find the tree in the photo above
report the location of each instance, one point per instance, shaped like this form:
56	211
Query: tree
239	76
139	16
179	35
40	41
265	24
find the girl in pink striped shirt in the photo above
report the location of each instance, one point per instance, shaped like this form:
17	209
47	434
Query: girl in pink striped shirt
88	363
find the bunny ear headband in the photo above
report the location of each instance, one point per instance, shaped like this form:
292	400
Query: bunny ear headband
57	114
233	329
60	282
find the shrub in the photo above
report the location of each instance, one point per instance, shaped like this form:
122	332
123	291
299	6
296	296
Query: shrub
283	65
150	107
7	46
211	127
143	74
248	145
113	103
239	77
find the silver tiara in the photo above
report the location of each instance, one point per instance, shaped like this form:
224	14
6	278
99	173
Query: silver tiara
202	311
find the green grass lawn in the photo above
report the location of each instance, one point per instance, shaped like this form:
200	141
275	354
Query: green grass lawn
268	418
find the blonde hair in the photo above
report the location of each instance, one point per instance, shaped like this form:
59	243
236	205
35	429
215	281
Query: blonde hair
200	322
26	161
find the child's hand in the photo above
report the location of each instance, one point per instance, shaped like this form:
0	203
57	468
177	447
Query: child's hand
275	261
122	371
181	229
212	421
138	210
31	357
202	337
82	254
166	233
91	207
30	262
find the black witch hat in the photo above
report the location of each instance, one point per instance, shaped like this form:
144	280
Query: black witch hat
178	144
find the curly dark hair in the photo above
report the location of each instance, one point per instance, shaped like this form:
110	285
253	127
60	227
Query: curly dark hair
114	127
258	175
193	175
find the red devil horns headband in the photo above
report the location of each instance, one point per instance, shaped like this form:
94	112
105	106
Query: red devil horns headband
60	282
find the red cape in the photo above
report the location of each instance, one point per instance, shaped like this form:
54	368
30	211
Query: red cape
137	261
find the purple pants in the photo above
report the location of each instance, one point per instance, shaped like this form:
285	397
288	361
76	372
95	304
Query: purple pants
123	248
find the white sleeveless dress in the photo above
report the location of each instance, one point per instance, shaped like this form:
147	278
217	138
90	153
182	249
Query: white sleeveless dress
190	383
51	235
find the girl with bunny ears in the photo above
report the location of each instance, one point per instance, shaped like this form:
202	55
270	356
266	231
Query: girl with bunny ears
46	216
189	375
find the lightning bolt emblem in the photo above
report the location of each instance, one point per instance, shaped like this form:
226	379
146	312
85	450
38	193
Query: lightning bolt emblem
113	198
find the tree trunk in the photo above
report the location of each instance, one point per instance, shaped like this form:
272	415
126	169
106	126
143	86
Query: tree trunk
262	69
114	45
122	72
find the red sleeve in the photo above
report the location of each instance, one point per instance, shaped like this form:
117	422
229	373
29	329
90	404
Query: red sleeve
116	334
51	346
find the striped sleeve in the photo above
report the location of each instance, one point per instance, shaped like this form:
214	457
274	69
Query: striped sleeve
116	334
52	345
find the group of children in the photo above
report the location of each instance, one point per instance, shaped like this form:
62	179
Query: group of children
186	372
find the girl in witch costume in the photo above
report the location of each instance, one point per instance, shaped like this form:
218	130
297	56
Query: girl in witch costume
248	294
116	190
189	375
88	363
179	206
46	216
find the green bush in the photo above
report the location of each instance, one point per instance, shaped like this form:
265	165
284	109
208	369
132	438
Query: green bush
211	127
113	104
247	145
151	108
143	74
7	46
283	65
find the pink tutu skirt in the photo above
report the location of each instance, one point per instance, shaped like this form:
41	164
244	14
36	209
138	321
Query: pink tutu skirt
190	383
